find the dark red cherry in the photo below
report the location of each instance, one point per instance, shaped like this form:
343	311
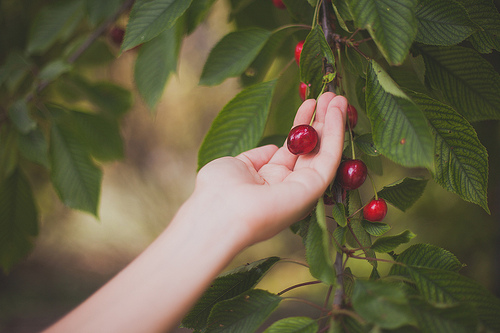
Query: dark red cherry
116	34
298	51
351	174
302	139
375	210
279	4
303	91
352	116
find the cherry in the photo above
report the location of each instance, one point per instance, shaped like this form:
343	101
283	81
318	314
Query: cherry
279	4
352	115
302	139
298	51
351	174
375	210
303	91
116	34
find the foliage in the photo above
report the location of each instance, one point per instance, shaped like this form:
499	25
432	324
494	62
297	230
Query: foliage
413	68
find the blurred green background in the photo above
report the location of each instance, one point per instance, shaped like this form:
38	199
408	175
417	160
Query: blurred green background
75	254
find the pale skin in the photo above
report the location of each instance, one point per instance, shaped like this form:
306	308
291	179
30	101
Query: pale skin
237	202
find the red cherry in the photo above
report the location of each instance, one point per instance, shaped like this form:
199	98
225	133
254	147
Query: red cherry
352	115
298	51
302	139
279	4
303	91
351	174
375	210
116	34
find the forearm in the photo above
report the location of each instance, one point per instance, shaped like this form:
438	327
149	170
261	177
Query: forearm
155	291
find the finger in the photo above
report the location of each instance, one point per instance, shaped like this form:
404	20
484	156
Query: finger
322	106
305	112
326	161
257	157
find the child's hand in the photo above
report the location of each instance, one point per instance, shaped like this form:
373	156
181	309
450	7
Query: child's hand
266	189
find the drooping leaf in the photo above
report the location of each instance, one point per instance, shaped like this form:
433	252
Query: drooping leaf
243	313
467	81
20	117
18	219
456	318
318	249
443	22
315	49
149	18
365	143
33	146
403	193
226	286
382	303
232	55
425	255
339	214
399	128
239	125
293	325
339	237
53	70
359	238
388	243
375	228
156	60
8	150
485	14
460	160
54	22
74	175
392	25
443	286
196	13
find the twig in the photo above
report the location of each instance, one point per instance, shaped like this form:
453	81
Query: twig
298	286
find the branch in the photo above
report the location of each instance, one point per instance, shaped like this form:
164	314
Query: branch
326	21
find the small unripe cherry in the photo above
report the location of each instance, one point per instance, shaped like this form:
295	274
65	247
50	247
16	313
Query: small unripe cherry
279	4
351	174
298	51
352	116
303	91
375	210
302	139
116	34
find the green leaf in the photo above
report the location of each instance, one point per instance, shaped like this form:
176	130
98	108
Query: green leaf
365	143
441	286
109	98
239	125
226	286
392	25
382	303
243	313
76	179
485	14
461	161
339	215
468	82
375	228
54	22
388	243
149	18
315	49
443	22
299	10
19	114
53	70
232	55
33	146
14	70
399	128
293	325
8	150
339	237
403	193
99	10
359	238
318	249
18	219
425	255
155	62
456	318
196	13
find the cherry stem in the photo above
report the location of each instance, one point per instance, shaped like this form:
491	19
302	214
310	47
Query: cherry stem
298	286
314	305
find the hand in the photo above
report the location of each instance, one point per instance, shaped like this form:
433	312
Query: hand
264	190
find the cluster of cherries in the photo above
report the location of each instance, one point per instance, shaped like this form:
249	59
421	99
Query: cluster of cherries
351	173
